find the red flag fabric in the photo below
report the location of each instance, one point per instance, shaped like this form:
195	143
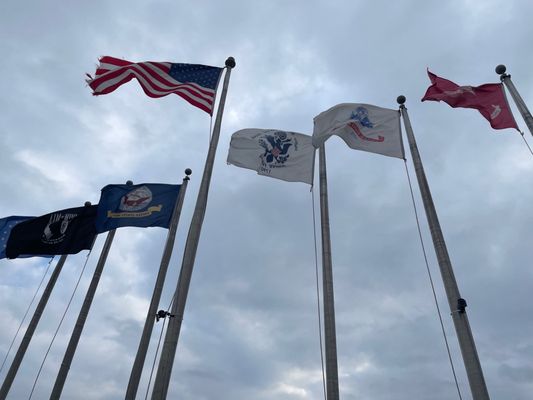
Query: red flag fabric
488	99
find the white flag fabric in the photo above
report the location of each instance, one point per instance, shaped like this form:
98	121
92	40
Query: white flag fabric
363	127
283	155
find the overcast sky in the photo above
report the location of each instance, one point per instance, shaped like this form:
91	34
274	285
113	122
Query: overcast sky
250	328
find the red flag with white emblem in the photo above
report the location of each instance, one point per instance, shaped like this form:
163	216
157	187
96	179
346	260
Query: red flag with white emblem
488	99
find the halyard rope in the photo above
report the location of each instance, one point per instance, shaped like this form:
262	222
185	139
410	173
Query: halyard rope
155	356
59	325
431	280
26	313
525	141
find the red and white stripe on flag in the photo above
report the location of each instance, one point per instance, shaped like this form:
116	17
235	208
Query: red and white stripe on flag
156	80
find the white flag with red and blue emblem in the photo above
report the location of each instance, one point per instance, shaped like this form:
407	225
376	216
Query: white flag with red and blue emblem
363	127
289	156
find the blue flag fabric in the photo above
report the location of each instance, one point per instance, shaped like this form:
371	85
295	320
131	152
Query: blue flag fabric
6	224
143	205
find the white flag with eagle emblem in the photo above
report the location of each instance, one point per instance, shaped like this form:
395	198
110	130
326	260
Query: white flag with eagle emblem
289	156
363	127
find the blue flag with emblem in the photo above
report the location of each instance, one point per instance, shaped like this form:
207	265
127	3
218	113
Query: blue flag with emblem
143	205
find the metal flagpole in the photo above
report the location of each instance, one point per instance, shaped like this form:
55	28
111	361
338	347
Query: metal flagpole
456	302
138	364
168	352
332	376
82	317
506	79
17	360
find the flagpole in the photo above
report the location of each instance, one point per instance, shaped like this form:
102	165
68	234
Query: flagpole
138	364
82	317
520	103
332	378
17	360
168	352
456	302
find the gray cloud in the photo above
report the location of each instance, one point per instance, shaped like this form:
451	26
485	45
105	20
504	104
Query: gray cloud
251	326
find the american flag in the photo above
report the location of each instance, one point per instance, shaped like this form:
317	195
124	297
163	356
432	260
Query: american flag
194	82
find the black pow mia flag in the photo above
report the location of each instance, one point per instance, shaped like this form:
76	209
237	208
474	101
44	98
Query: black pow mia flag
62	232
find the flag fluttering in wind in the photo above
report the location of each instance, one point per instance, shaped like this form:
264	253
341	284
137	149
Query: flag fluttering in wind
6	224
142	205
289	156
196	83
66	231
363	127
488	99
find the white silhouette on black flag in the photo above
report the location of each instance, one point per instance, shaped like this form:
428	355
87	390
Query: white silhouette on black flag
66	231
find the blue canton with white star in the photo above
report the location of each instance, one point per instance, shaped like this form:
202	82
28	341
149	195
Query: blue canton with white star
202	75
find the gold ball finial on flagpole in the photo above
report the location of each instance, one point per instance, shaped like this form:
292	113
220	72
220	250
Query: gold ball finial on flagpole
500	69
401	100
